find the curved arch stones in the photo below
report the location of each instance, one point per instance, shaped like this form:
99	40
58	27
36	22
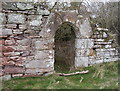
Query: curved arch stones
83	43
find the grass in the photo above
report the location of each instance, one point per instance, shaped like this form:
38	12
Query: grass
95	79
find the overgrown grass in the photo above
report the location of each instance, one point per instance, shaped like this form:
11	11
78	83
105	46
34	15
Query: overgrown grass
100	76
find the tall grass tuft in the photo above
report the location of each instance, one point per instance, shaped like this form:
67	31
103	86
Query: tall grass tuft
101	70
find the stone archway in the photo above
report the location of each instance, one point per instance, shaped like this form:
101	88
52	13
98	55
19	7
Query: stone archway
82	31
55	20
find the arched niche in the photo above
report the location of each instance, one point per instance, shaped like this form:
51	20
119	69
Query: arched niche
64	55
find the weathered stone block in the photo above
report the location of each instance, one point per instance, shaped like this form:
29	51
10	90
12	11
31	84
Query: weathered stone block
14	58
22	27
107	59
24	6
4	32
44	44
35	20
11	26
2	42
35	28
1	54
4	59
1	73
42	12
11	53
85	28
109	49
20	48
18	60
9	6
39	71
99	61
16	18
17	31
101	40
9	63
33	71
45	54
17	75
6	49
5	77
108	46
2	18
25	53
103	43
45	63
81	61
105	54
97	46
23	42
84	43
105	35
13	69
10	42
91	60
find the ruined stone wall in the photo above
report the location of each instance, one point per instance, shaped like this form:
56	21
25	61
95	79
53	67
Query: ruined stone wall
27	33
104	47
19	33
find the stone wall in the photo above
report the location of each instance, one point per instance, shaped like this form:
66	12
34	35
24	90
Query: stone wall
27	33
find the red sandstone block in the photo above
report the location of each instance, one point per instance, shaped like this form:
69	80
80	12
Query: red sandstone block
21	59
13	69
4	59
9	42
1	73
6	54
19	48
1	54
6	49
20	63
11	54
9	63
1	64
2	42
14	58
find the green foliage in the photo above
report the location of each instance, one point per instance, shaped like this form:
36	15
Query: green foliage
83	81
102	70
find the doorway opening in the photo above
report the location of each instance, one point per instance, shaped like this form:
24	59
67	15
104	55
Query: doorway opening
64	48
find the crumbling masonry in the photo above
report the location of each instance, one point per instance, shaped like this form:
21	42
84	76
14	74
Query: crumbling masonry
27	34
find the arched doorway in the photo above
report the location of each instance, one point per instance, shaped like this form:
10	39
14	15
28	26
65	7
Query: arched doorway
64	48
